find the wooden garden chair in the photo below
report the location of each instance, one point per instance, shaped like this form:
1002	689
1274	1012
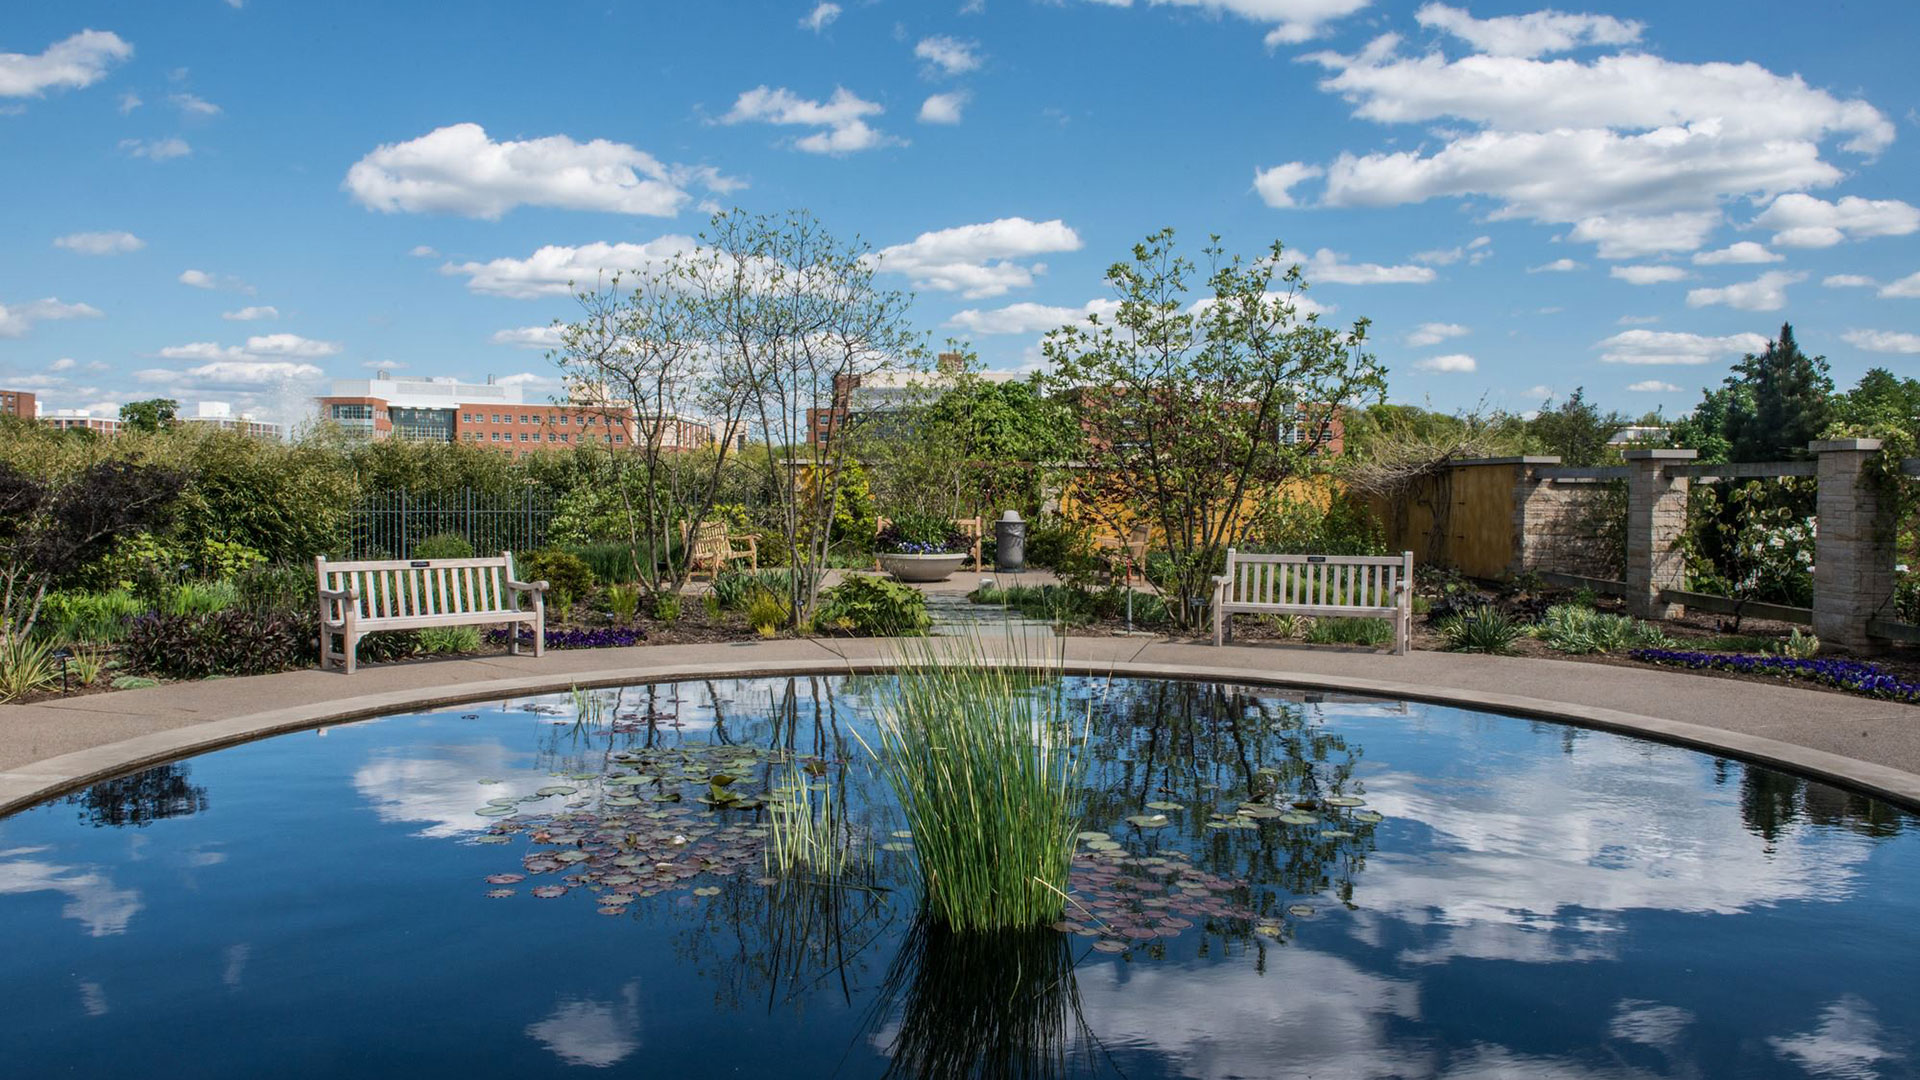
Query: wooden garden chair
714	549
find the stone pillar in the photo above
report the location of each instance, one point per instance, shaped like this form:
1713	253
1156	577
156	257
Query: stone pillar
1656	519
1530	496
1853	553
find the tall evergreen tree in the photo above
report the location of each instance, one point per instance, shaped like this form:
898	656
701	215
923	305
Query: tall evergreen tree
1791	402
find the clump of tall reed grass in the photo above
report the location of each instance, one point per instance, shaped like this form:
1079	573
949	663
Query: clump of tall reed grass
805	833
982	755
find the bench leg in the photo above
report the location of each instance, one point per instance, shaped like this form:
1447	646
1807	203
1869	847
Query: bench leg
539	626
351	640
513	639
1219	625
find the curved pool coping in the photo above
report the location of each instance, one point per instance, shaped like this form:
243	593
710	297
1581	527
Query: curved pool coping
31	784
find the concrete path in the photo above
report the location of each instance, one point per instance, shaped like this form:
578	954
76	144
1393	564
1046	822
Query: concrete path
50	747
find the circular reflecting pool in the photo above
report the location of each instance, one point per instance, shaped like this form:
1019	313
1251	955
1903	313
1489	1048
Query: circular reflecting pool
1268	884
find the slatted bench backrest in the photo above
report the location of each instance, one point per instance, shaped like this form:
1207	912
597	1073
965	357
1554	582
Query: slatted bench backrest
1350	582
421	588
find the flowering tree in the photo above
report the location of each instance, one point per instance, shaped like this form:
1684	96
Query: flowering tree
1190	405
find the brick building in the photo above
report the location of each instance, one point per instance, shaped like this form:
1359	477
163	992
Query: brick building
18	403
494	417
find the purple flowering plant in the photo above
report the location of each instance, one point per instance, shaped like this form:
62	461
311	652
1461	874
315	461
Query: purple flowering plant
1856	676
921	534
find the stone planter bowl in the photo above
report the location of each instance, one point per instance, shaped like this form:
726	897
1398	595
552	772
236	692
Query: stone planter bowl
920	569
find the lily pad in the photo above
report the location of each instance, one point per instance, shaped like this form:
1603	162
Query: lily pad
556	789
1345	800
1297	818
1368	817
1102	845
573	856
1300	910
1091	836
495	811
1165	806
1148	821
707	890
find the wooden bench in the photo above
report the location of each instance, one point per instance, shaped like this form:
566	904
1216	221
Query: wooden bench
1354	586
713	549
358	598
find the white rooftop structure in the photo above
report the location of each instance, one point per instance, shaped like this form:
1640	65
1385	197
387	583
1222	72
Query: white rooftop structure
419	392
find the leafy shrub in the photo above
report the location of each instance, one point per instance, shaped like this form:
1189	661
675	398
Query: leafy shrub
666	605
443	546
568	577
1347	631
450	639
767	611
736	587
872	606
200	598
283	587
623	601
146	555
67	618
1302	526
922	534
1570	628
1288	626
232	641
1484	629
1906	598
1053	542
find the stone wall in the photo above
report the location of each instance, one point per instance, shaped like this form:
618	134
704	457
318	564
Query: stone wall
1564	527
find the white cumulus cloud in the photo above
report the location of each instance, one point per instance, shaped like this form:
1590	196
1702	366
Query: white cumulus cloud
1652	386
548	271
1328	266
1801	220
528	337
1450	364
948	56
1768	292
200	279
1292	21
17	319
1275	185
460	169
1533	34
979	261
1907	288
156	149
821	15
1676	347
100	243
842	118
943	108
71	64
1848	281
1746	252
1883	341
1433	333
1557	266
1648	275
252	314
1029	318
1638	153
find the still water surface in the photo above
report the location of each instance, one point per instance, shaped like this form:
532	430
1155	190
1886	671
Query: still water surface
1418	892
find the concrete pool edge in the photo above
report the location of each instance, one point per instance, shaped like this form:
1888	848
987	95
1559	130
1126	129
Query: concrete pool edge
35	782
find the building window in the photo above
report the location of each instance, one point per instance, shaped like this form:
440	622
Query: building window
563	419
620	438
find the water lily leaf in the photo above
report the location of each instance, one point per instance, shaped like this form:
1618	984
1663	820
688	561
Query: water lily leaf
500	894
1148	821
1091	836
1368	817
1297	818
707	890
490	838
720	780
907	834
1337	834
1300	910
548	892
1102	845
1345	800
573	856
556	789
491	810
1108	945
1165	806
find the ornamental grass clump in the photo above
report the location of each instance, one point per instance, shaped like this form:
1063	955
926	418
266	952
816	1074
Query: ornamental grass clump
982	755
1483	629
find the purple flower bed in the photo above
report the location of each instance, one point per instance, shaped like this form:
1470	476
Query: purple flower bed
1854	675
909	547
610	637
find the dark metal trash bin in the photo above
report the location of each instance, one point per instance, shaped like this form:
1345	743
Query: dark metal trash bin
1010	543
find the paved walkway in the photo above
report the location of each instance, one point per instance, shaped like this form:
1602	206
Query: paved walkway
54	746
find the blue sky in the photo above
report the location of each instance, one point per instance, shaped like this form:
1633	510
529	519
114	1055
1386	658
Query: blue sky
237	201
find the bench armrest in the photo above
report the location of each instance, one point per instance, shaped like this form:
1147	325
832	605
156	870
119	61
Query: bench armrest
527	586
1220	579
340	594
